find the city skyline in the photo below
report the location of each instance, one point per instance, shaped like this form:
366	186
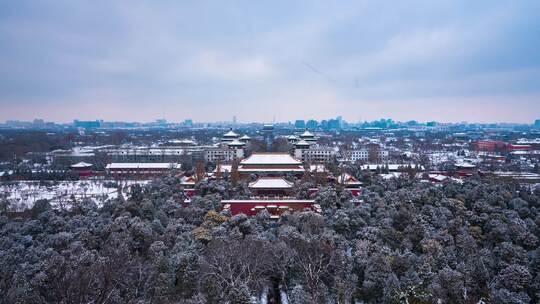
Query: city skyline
449	61
298	123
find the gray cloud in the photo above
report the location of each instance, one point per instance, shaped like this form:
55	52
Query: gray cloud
140	60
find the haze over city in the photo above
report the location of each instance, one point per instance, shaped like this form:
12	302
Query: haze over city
446	61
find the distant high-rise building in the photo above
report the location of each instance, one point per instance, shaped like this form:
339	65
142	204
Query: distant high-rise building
234	119
412	123
300	124
334	124
188	123
312	124
324	124
18	123
268	133
161	122
340	122
38	122
537	123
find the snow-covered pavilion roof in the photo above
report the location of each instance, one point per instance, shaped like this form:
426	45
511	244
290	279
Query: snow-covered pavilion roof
270	159
271	183
307	134
81	165
465	165
230	134
236	142
302	143
143	166
390	167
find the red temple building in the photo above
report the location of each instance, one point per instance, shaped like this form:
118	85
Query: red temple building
271	193
188	182
489	146
350	183
516	147
274	206
82	169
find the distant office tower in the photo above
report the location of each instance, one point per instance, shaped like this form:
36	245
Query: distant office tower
312	124
300	124
268	133
537	123
324	124
333	124
188	123
38	123
234	119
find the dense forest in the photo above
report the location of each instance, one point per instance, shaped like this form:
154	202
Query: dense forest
405	242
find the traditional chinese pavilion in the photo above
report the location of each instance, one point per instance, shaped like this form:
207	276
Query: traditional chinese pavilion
274	206
270	164
350	183
308	137
82	169
271	187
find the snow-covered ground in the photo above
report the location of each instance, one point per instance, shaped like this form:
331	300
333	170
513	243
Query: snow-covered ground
23	194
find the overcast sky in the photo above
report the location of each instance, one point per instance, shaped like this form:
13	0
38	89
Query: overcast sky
476	61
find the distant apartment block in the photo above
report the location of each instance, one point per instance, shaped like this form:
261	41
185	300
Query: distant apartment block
222	154
315	154
364	155
141	170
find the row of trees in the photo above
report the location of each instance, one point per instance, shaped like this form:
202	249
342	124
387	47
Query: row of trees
405	242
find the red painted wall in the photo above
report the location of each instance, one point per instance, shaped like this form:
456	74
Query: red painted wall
245	208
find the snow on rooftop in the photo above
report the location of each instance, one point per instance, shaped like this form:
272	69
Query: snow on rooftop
307	134
270	159
390	167
391	175
438	177
465	165
230	134
143	166
302	143
182	141
236	142
81	165
271	170
270	182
